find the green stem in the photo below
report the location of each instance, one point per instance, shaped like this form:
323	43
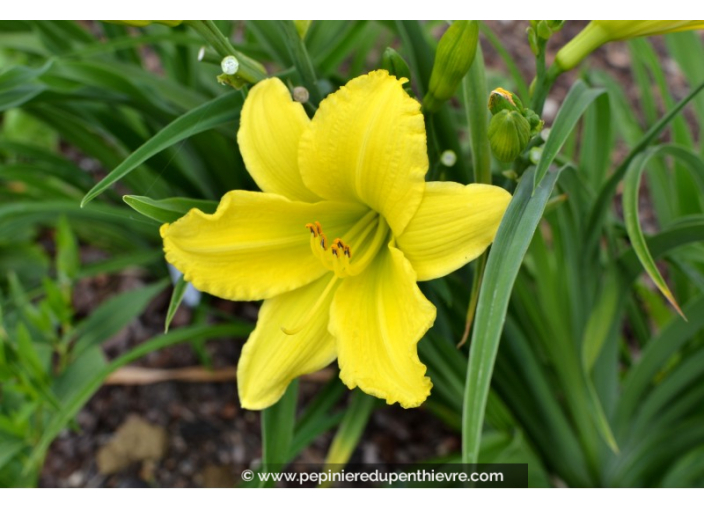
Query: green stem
542	89
476	95
479	267
539	88
250	70
301	60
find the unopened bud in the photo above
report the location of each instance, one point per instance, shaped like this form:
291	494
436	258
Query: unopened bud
230	65
453	58
599	32
201	53
545	28
501	99
556	25
509	133
533	40
301	94
535	122
395	64
302	27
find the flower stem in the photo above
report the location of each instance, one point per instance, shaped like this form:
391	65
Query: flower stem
475	100
301	60
250	70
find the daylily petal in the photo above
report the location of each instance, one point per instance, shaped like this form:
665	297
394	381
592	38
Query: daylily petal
453	225
367	143
271	359
255	246
270	129
377	319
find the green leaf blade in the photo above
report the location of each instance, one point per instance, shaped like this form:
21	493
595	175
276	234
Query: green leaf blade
223	109
510	245
578	99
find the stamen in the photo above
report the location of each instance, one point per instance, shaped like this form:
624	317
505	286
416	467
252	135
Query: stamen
369	232
306	320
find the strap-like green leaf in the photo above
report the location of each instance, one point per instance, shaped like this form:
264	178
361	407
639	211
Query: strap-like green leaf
169	209
631	190
578	99
351	429
278	422
601	204
511	243
220	110
176	298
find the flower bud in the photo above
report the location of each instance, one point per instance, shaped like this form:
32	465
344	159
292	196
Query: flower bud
395	64
453	58
533	40
535	122
501	99
601	32
509	133
302	27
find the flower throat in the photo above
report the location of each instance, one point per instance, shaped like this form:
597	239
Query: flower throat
368	235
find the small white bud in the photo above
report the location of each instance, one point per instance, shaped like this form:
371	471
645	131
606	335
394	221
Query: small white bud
201	53
448	158
230	65
300	94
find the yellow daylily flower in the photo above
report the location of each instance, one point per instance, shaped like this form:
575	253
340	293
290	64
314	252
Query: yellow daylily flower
343	229
600	32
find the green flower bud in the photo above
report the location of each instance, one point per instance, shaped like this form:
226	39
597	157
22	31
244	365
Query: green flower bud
509	133
543	29
302	27
453	58
533	40
600	32
555	25
395	64
536	123
501	99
